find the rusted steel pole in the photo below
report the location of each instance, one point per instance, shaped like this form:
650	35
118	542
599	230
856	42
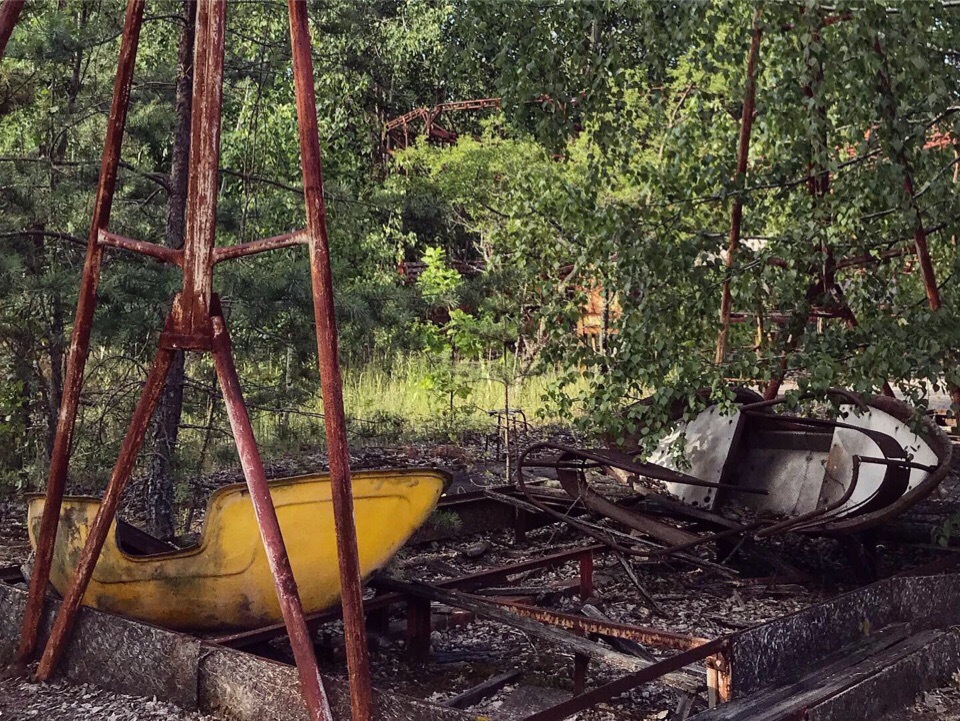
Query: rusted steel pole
159	252
287	240
82	325
63	624
358	662
927	273
9	15
204	166
291	608
743	157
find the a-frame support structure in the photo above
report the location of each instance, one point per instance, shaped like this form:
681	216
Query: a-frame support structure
195	323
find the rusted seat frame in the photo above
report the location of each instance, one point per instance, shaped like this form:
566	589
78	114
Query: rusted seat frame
572	463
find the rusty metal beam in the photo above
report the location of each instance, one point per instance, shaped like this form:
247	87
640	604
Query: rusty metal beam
629	682
927	273
287	240
160	252
9	15
472	581
291	608
585	625
63	624
743	157
358	662
82	325
204	169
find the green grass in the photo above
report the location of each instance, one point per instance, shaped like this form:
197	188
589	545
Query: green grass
401	389
389	402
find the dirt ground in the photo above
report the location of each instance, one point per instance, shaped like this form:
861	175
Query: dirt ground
707	600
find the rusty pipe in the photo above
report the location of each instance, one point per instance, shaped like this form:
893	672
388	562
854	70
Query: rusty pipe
288	595
743	157
358	662
241	250
63	624
82	325
152	250
9	15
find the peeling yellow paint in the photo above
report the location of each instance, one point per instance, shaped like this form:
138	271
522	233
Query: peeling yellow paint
224	582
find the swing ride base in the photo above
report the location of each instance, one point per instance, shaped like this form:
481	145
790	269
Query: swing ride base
134	658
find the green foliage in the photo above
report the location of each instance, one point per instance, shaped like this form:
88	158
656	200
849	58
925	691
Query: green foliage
638	202
610	171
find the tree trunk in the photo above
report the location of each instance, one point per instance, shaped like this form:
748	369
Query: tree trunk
160	486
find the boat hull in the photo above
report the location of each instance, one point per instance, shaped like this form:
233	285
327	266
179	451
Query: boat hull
224	582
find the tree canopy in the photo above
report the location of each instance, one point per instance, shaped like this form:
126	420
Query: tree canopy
617	167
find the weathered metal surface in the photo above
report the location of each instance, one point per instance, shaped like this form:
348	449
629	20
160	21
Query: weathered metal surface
585	625
398	132
778	651
629	682
204	169
570	643
931	435
707	440
800	474
224	581
863	680
288	595
9	15
195	323
897	682
287	240
103	521
358	662
160	252
743	158
82	326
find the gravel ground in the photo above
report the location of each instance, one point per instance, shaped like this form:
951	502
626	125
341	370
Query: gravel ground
59	701
941	704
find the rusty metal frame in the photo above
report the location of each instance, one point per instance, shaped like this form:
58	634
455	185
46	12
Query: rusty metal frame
419	628
471	582
196	323
82	326
572	462
9	16
743	157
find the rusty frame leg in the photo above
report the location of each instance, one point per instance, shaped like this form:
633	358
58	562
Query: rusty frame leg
290	606
580	665
9	15
586	576
358	661
719	680
418	628
63	625
80	342
743	157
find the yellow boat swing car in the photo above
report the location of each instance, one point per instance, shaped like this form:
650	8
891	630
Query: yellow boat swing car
224	582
